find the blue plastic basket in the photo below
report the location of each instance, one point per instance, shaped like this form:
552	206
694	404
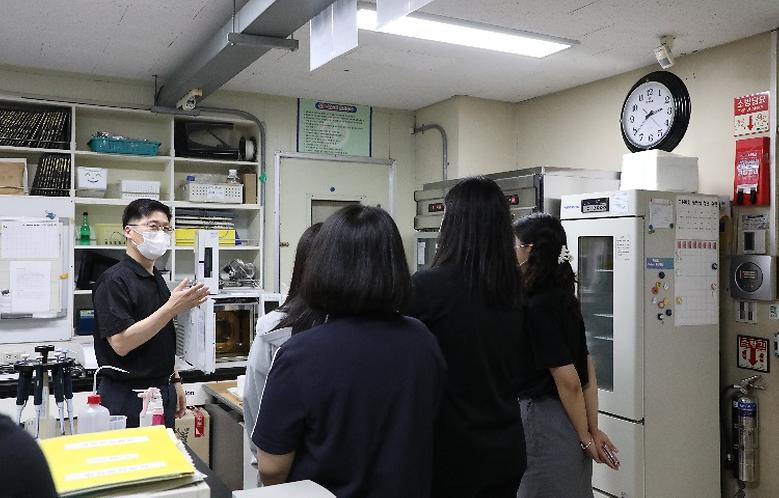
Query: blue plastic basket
124	146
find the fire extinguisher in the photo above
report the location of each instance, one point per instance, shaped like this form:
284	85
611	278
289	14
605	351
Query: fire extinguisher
743	447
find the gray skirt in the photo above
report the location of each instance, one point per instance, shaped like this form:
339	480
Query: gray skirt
556	465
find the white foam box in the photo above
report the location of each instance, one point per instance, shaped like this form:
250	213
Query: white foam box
91	182
659	170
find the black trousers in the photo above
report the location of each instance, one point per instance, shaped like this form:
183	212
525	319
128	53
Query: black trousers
121	399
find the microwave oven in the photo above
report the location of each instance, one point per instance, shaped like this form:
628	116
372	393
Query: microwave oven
219	333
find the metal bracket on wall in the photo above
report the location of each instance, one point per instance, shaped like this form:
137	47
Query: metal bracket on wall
259	41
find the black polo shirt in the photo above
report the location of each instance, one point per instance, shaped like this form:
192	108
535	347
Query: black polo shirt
124	294
355	399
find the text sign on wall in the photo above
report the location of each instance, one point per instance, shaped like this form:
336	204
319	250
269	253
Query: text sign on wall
751	114
753	353
334	128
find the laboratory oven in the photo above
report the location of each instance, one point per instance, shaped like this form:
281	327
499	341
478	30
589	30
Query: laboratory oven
526	190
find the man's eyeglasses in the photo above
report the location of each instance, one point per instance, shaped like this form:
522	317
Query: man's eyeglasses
153	227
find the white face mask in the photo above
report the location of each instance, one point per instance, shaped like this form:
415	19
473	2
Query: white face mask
154	245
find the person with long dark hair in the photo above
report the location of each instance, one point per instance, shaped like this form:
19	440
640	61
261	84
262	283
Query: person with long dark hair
349	404
271	333
471	301
559	399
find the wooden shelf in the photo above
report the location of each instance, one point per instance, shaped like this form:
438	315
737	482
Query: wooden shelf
78	247
216	162
31	150
100	201
215	205
223	248
117	158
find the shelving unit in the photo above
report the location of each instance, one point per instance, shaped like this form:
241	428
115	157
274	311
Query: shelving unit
166	167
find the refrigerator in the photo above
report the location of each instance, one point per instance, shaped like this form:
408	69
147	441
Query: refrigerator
648	281
527	190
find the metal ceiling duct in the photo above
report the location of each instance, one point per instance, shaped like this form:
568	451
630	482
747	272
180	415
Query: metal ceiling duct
256	28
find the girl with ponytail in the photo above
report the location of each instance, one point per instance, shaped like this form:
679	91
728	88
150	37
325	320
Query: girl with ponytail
559	399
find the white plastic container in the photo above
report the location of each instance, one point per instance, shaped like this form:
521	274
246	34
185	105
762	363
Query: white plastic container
659	170
96	418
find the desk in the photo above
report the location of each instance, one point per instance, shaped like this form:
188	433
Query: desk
219	390
231	452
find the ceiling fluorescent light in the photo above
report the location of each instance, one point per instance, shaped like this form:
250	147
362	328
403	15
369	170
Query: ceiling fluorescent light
468	34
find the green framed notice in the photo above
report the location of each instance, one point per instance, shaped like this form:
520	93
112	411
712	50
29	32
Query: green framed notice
334	128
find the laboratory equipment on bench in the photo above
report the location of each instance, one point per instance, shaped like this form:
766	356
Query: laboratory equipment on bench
152	412
526	190
95	418
238	273
207	259
35	377
647	273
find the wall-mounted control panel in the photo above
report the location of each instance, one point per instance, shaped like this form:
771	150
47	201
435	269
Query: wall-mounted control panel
753	277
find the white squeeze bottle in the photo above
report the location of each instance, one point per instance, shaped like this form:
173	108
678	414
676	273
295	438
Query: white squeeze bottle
95	418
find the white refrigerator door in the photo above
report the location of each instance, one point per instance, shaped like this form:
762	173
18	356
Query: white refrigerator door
608	255
629	480
199	337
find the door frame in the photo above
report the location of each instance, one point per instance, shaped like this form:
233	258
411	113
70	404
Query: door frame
389	163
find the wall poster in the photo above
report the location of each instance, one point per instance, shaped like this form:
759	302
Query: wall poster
334	128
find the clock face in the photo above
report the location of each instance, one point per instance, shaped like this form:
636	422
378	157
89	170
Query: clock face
648	115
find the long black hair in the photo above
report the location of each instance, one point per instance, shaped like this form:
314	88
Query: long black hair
298	315
543	269
299	266
360	264
476	239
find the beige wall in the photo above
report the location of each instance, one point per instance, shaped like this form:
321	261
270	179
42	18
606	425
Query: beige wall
580	127
391	137
480	134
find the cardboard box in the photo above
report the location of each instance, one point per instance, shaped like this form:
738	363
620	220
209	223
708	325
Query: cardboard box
194	430
13	176
249	188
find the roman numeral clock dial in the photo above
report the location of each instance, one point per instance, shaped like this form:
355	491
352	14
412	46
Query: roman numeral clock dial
655	113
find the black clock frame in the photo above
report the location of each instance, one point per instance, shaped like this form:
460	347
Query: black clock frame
682	111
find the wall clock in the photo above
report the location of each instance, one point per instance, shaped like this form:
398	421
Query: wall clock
655	113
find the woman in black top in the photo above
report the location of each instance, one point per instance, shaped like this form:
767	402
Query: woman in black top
350	403
559	399
470	300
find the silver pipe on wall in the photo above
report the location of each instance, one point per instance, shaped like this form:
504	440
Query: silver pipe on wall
445	143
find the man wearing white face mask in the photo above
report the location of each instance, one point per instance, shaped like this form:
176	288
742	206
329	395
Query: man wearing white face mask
134	311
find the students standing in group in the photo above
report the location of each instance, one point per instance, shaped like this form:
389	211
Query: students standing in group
349	404
470	300
559	400
270	337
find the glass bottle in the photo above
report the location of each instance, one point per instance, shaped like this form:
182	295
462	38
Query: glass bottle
84	231
232	177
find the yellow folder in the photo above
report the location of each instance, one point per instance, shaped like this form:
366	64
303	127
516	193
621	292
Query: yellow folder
103	460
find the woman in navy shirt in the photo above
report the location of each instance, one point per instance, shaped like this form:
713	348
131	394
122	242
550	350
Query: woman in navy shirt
349	404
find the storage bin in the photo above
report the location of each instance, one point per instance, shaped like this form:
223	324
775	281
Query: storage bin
118	145
91	182
186	237
109	234
213	192
136	189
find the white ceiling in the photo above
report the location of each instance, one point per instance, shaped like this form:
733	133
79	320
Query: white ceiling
139	38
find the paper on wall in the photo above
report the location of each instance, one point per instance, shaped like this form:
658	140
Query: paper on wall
661	213
696	285
29	240
697	218
30	286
